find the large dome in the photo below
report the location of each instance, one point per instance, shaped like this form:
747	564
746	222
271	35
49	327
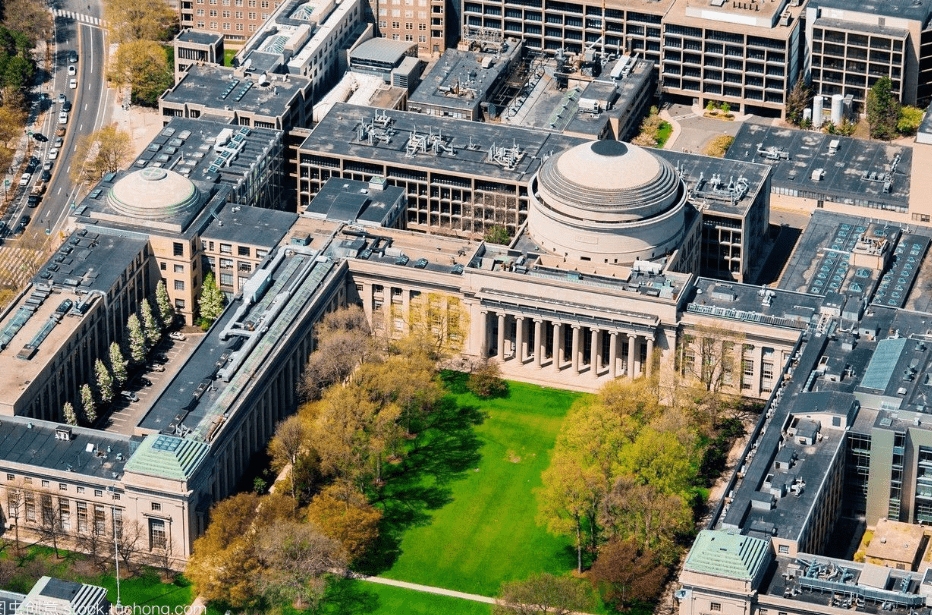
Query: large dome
153	194
608	202
623	181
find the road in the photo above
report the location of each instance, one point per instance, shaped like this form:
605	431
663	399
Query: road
77	28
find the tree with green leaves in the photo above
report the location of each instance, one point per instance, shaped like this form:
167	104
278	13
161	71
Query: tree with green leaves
212	299
70	417
118	364
137	339
883	109
544	594
143	65
130	20
910	120
104	381
88	404
798	101
151	327
166	313
104	151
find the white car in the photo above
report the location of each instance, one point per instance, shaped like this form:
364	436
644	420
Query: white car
72	70
53	153
73	84
24	180
62	118
177	335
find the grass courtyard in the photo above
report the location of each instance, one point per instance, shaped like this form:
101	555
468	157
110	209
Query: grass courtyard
460	511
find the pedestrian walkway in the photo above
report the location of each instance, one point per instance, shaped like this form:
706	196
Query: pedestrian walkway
88	19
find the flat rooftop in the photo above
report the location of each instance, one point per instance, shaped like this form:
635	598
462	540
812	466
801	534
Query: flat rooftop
737	16
248	225
463	79
462	146
197	401
719	185
89	452
732	301
209	151
209	86
817	166
199	37
356	202
903	9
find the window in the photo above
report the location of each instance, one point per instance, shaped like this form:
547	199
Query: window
226	279
28	480
226	263
179	304
178	248
30	501
784	549
261	253
247	267
45	483
64	513
48	512
157	538
156	506
242	251
118	522
715	606
82	516
98	493
179	284
179	268
80	489
100	520
10	476
62	487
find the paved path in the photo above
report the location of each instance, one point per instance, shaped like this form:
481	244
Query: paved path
425	588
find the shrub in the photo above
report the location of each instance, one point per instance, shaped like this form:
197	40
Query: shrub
486	381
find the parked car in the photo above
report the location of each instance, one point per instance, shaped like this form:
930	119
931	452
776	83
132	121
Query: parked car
177	335
41	138
145	382
33	200
62	118
53	153
61	98
66	106
46	175
24	180
59	141
73	84
72	56
60	132
130	395
160	359
156	367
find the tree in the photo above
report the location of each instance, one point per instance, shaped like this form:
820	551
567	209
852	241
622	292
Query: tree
711	355
88	405
104	151
642	513
544	594
486	380
569	499
341	433
151	328
291	437
50	526
627	573
130	535
212	300
68	412
166	313
295	558
223	564
129	20
27	16
883	109
798	101
438	322
12	122
909	121
343	340
104	381
342	513
142	65
15	507
117	364
137	339
498	234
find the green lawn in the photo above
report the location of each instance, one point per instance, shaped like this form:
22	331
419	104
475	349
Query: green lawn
228	56
358	597
148	590
666	129
460	512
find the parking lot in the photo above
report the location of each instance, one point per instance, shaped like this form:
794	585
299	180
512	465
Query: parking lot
164	362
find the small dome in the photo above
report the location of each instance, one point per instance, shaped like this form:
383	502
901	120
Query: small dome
153	194
610	177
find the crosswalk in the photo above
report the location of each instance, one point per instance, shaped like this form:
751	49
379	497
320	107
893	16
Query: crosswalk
18	264
88	19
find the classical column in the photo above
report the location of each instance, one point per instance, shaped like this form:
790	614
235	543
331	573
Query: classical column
613	354
631	342
501	336
557	346
594	353
484	334
520	344
650	354
574	359
538	341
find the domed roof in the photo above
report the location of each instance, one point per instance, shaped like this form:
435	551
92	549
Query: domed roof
609	177
152	194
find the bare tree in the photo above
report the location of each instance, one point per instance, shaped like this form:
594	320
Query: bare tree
130	535
343	341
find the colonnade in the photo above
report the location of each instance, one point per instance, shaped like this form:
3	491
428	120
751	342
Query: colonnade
568	347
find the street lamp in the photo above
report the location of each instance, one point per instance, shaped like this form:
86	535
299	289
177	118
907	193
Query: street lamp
116	549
